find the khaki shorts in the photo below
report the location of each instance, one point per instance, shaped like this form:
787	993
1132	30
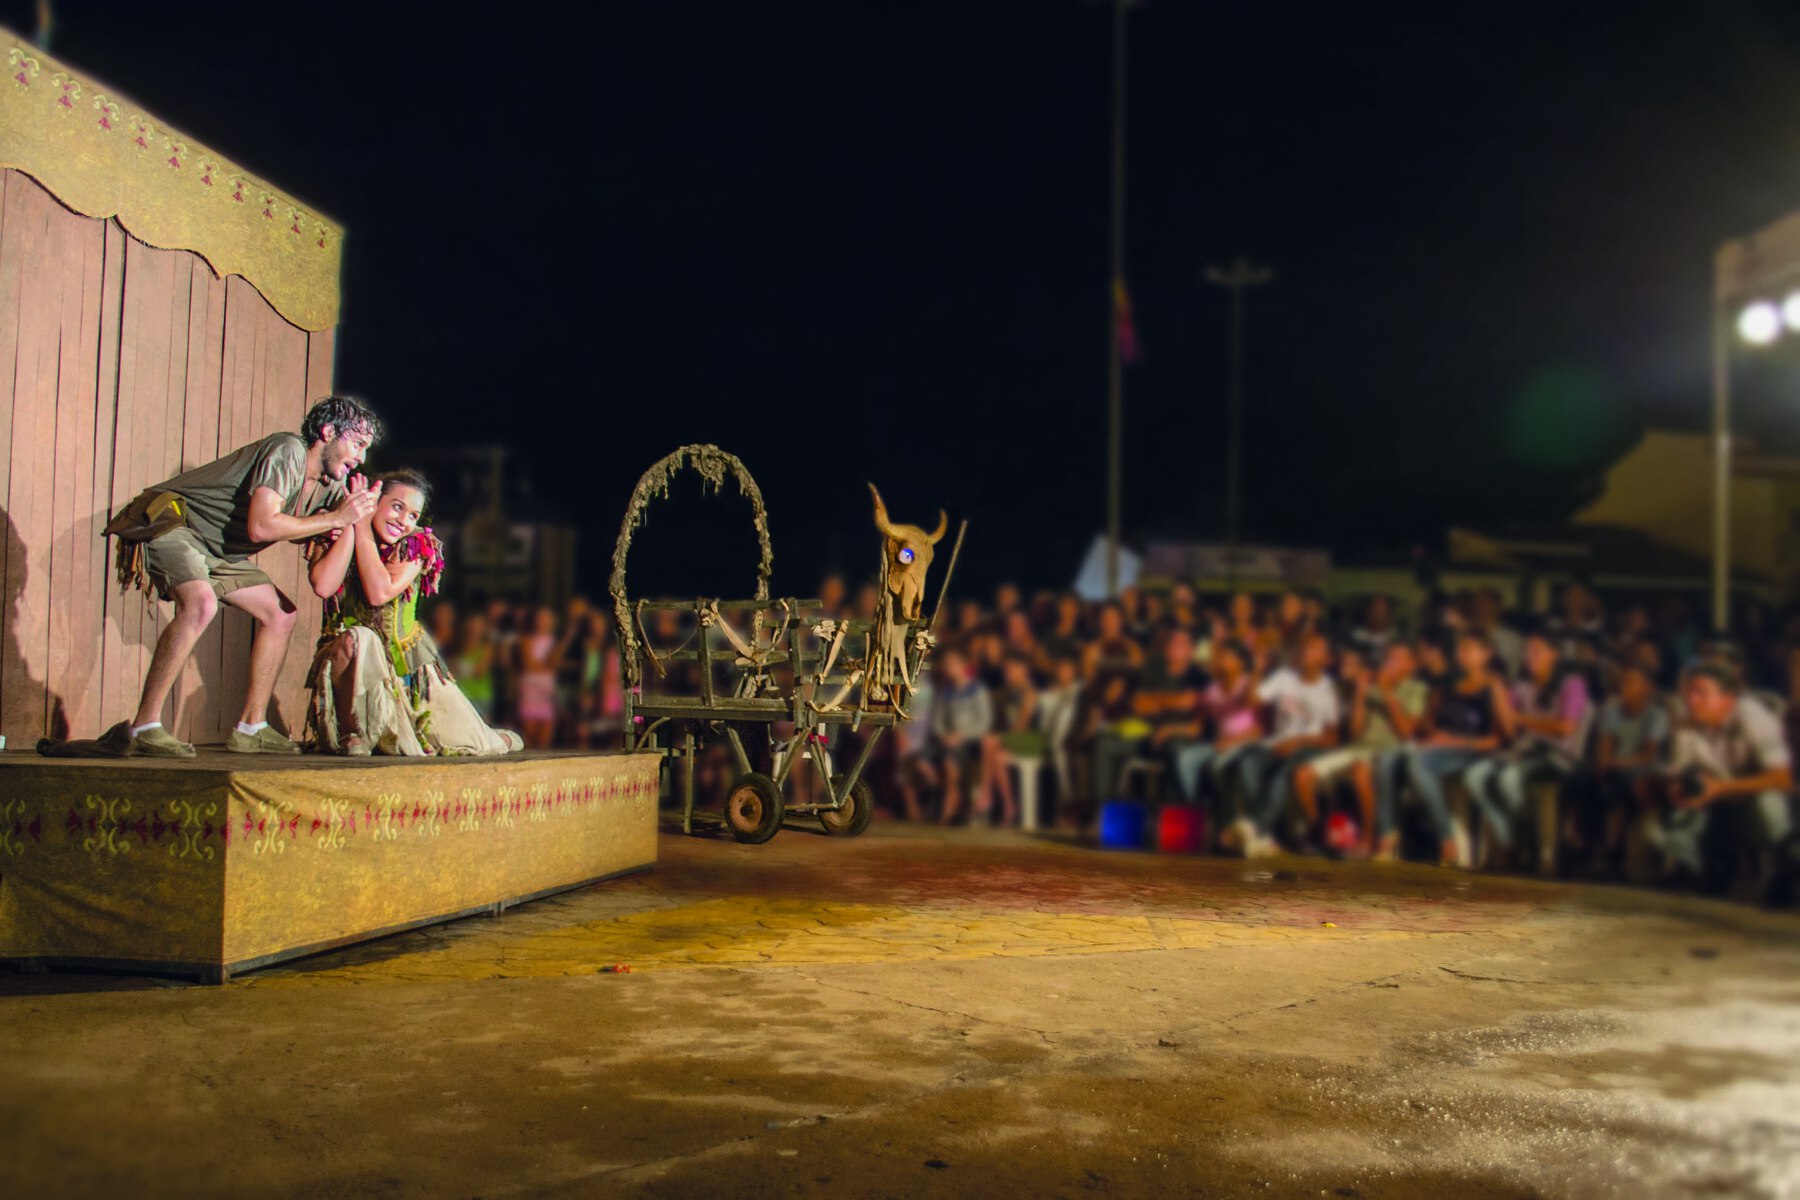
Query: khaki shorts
179	556
1328	766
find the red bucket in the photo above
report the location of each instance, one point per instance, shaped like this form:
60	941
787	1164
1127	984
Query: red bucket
1181	830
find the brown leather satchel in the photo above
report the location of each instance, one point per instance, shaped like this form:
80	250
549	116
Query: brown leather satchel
145	519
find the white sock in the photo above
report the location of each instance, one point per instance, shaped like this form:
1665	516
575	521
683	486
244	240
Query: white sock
137	729
249	730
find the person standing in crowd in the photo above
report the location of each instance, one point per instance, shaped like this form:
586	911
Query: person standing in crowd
539	653
440	619
472	662
603	681
568	669
1469	720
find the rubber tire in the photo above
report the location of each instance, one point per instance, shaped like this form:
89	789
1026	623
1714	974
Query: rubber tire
754	809
861	810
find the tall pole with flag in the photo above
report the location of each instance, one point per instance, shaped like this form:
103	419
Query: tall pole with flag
1123	337
1236	278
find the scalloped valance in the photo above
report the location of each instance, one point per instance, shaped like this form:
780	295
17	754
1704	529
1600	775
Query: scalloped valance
103	156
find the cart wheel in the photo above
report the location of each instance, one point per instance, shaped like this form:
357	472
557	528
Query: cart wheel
853	818
754	809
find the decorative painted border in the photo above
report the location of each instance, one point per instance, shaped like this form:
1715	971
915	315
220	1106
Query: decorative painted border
115	825
103	156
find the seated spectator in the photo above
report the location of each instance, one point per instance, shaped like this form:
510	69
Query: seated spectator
987	655
1725	791
1384	711
1233	722
1375	632
1163	707
1306	713
970	620
1111	651
1282	636
1017	734
1059	711
1551	705
1243	625
1007	601
1631	738
832	593
1578	628
1434	664
1487	616
1184	607
915	769
1153	615
1131	609
1469	720
1064	639
1016	637
962	716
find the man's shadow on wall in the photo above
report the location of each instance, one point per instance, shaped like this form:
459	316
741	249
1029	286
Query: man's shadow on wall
29	706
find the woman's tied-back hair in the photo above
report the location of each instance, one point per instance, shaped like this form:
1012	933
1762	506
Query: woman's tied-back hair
408	477
345	414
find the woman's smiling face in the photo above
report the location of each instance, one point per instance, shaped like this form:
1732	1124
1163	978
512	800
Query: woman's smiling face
397	513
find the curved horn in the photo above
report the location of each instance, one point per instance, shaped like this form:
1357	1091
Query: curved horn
881	517
943	527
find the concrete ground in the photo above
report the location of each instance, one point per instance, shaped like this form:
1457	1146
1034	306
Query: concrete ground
918	1013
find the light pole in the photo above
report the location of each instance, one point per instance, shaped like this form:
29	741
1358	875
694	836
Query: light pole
1115	374
1721	442
1756	294
1237	277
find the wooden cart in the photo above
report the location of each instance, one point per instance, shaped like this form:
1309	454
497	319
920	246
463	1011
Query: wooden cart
772	679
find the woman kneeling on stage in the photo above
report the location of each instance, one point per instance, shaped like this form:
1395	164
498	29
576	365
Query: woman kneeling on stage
379	684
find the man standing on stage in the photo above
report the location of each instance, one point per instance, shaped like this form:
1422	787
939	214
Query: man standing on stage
193	538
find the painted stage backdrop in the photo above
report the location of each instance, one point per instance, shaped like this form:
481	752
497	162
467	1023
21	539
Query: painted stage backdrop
158	308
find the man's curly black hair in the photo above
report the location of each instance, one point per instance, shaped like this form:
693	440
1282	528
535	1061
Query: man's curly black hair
345	414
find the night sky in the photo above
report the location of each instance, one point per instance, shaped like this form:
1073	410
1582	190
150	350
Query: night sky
853	241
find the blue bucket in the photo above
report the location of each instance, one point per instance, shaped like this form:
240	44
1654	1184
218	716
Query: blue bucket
1122	825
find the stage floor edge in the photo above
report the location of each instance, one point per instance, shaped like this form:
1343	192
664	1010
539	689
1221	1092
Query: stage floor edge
211	867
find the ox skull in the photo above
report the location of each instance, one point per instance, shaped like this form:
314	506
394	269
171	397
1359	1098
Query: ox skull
909	550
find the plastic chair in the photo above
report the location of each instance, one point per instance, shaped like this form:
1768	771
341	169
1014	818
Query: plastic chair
1029	767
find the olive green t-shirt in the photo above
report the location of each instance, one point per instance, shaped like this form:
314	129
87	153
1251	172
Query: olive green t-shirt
218	494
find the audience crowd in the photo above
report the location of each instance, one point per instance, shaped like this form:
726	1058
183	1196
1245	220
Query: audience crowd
1626	742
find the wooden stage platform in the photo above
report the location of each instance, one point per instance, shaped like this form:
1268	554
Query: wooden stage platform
223	863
